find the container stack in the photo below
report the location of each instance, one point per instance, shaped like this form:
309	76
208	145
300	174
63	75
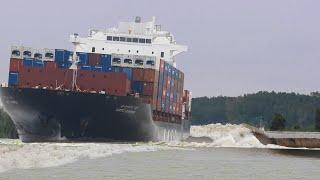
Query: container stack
157	83
63	58
170	89
94	62
145	83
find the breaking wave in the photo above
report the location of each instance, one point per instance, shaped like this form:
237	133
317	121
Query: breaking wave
17	155
219	135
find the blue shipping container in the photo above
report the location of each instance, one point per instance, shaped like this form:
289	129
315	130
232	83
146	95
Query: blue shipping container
178	74
13	78
86	68
137	86
27	62
116	69
105	60
173	73
97	68
62	55
160	90
128	71
64	65
83	58
107	69
175	97
38	63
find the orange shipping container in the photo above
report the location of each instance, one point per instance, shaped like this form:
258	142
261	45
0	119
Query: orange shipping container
50	65
148	89
150	75
110	82
137	74
15	65
158	104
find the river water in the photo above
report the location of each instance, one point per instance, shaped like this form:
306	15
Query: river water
234	154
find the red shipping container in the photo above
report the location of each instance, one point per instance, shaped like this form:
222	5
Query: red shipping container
155	94
31	77
177	109
148	88
137	74
110	82
164	93
15	65
50	65
161	68
176	84
158	104
174	108
94	59
45	78
150	75
168	83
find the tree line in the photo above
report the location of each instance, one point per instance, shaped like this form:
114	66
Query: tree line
298	111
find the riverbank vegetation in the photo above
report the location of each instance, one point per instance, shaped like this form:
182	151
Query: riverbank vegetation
299	111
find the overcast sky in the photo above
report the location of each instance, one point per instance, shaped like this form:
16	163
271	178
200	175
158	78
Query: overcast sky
235	46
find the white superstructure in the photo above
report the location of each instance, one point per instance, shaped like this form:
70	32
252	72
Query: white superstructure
131	39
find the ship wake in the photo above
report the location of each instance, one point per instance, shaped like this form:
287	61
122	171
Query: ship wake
219	135
17	155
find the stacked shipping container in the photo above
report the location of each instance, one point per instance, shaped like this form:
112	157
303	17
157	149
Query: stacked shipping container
170	89
161	88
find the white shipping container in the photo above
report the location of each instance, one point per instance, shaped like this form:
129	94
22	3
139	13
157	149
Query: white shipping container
150	62
16	52
127	60
38	54
116	59
27	52
48	54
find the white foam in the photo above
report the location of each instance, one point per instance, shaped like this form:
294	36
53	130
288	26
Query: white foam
34	155
229	135
15	154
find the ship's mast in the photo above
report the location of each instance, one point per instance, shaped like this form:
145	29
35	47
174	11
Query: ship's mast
74	66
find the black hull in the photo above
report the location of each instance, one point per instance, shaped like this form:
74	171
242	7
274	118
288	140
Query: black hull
47	115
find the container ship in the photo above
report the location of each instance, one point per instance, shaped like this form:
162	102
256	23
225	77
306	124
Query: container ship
120	83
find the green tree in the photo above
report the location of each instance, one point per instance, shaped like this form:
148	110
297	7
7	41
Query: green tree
297	109
317	119
278	122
